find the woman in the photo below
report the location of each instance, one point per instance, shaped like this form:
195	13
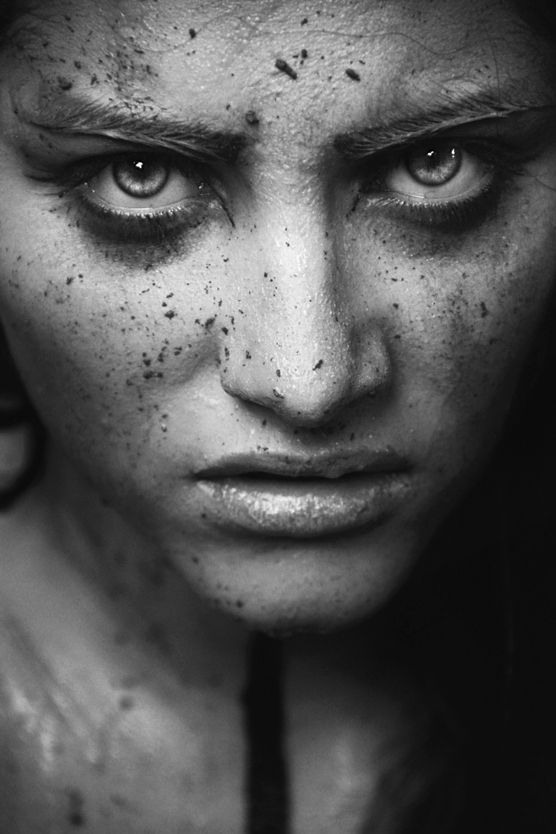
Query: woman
271	276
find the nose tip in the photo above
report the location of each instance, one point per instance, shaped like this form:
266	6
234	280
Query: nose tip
313	390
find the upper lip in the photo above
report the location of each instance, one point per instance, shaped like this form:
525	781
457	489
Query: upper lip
296	465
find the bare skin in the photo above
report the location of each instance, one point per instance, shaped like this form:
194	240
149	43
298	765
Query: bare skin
296	305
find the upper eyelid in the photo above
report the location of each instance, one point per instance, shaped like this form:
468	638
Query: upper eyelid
72	173
495	152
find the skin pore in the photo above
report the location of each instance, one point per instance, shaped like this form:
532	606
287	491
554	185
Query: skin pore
304	245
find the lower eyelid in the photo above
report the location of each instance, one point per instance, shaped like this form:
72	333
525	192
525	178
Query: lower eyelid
450	216
140	225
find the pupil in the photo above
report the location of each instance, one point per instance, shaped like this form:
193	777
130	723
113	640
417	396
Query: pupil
435	166
140	178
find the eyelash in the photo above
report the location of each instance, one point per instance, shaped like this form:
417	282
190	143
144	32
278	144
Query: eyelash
501	161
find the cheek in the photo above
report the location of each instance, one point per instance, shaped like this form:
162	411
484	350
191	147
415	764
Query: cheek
102	352
459	321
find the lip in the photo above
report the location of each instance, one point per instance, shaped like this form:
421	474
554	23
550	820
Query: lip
303	497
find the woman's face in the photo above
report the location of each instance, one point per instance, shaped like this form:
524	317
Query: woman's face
270	273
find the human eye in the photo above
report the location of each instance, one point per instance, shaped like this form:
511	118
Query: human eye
140	197
442	182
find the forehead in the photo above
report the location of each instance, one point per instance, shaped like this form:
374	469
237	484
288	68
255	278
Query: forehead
325	64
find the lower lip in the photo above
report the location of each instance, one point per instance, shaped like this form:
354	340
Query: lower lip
303	508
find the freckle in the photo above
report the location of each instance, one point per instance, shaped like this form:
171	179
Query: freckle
170	314
208	323
484	310
351	73
318	365
64	83
239	603
192	33
247	355
224	330
278	372
396	306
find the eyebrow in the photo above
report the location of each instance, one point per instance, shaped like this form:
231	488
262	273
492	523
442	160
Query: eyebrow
423	124
77	116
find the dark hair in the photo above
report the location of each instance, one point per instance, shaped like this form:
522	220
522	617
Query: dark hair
505	636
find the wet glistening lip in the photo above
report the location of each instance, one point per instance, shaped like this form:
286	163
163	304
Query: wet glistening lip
297	496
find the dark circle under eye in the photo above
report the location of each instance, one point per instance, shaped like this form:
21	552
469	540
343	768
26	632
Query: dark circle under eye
434	165
141	177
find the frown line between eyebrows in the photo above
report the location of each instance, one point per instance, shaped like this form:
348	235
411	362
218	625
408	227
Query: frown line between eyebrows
80	117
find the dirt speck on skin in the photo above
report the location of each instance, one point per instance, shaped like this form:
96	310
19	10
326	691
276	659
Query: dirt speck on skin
351	73
126	703
64	83
284	67
157	637
318	365
251	118
76	805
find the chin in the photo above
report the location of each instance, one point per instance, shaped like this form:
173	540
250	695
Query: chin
285	596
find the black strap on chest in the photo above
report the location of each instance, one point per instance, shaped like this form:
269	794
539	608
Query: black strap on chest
267	777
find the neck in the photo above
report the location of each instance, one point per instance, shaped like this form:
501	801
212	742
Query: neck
136	587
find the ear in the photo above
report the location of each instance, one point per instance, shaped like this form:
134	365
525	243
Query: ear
13	402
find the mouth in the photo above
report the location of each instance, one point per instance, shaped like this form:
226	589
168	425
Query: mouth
303	498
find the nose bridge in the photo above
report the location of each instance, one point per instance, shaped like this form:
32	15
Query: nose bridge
300	339
307	316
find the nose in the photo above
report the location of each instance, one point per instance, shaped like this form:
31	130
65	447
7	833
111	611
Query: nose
298	345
